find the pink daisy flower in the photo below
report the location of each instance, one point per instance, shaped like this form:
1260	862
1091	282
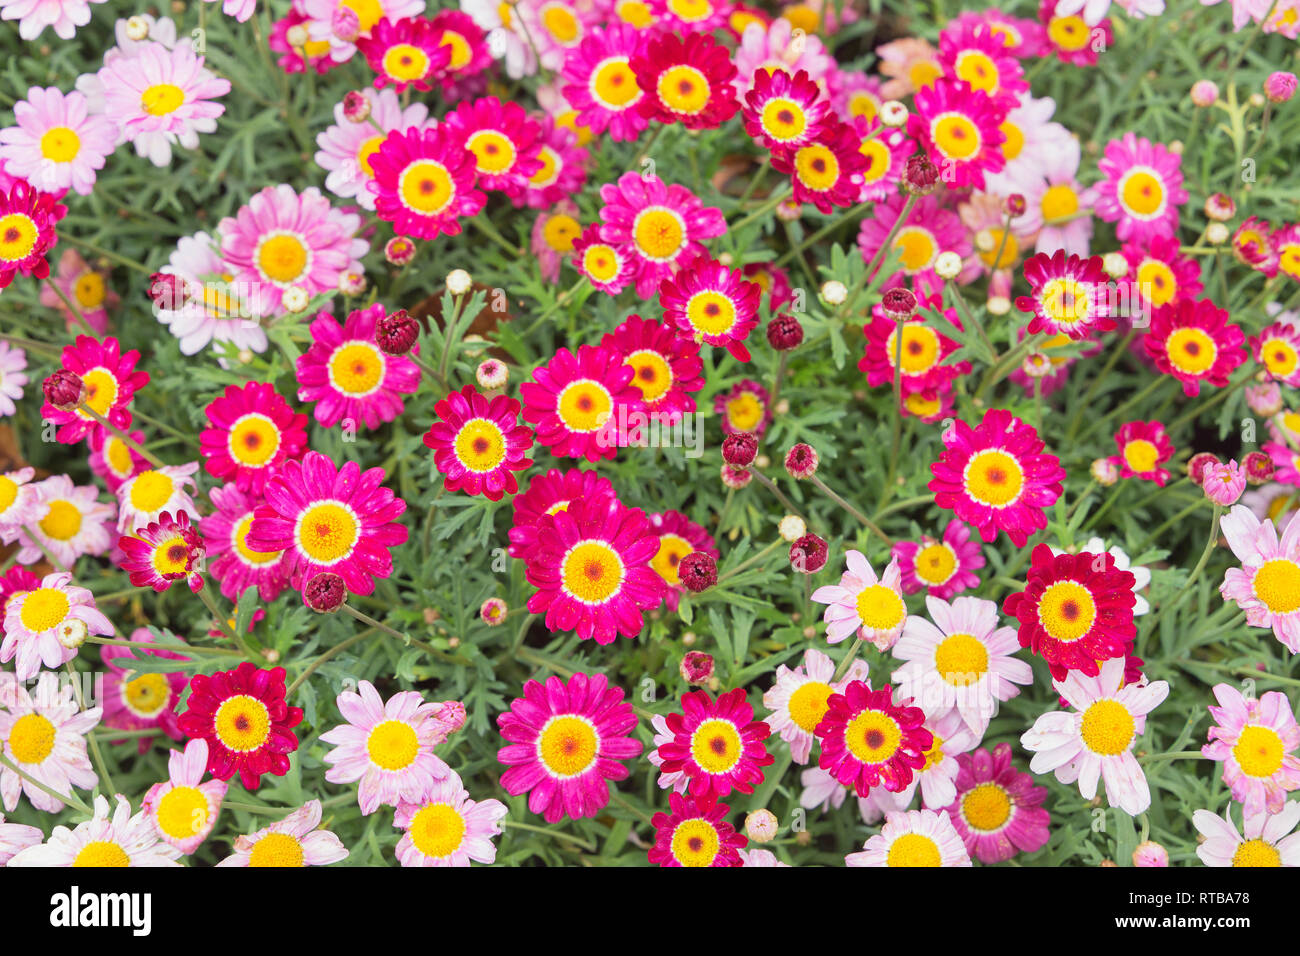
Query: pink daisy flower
44	733
38	624
678	537
913	838
549	493
295	840
424	182
591	568
1268	838
941	567
15	504
183	809
869	741
971	52
575	401
470	54
351	379
478	443
690	16
998	812
608	267
717	744
745	407
66	520
799	699
695	833
1142	189
922	366
1252	244
997	477
856	95
687	81
1095	741
863	604
163	551
600	84
28	217
565	742
785	111
554	233
930	230
1267	585
329	518
444	827
708	302
320	21
140	701
406	53
959	127
885	152
1286	240
765	47
1255	740
563	170
657	226
87	288
1277	348
387	746
346	148
313	53
213	308
13	363
1194	341
505	143
1071	37
230	560
111	381
253	432
1143	448
15	837
1067	295
122	840
665	366
1158	274
55	142
1058	208
283	238
826	172
33	17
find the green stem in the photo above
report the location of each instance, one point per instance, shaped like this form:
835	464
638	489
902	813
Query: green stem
69	799
325	656
866	522
122	436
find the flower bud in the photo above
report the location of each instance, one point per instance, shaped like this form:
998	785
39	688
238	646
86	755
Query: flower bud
492	374
72	633
64	390
739	448
324	592
1220	207
166	291
784	333
295	298
834	292
1259	468
1198	463
698	571
761	826
1280	86
1114	265
1104	472
458	282
735	478
1205	92
809	554
137	29
297	36
920	176
399	251
345	24
801	461
493	611
1216	234
696	668
947	265
1150	853
898	304
792	528
356	106
397	333
1264	400
352	284
1015	205
1223	483
893	114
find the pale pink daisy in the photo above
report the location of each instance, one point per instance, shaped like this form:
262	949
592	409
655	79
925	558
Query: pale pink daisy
821	790
320	20
65	520
936	778
1267	585
777	47
1269	838
15	502
141	499
44	735
797	699
346	147
15	837
183	809
1255	740
56	143
1095	740
445	827
214	308
34	16
124	839
914	838
42	626
387	746
240	10
13	363
961	663
759	858
291	842
1057	206
862	603
1031	141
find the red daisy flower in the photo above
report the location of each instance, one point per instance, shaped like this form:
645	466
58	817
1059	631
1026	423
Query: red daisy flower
695	833
678	537
506	144
708	302
424	182
405	53
254	431
243	716
1143	448
600	84
163	551
1194	342
717	744
1158	274
550	493
577	402
686	81
479	443
746	407
330	519
606	265
922	367
1277	348
565	743
27	219
868	741
665	367
231	561
1068	295
828	171
783	112
997	477
591	567
1076	610
111	381
960	128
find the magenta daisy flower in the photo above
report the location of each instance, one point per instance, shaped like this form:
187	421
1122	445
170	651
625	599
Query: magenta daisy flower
996	476
87	288
576	400
563	170
230	560
169	549
140	701
868	741
183	809
745	407
687	81
717	744
600	85
784	112
1068	295
678	537
444	827
1159	274
550	493
253	432
1142	189
708	302
349	376
929	231
591	567
1252	244
1286	240
999	811
1255	740
1195	342
972	52
505	143
283	238
826	172
330	519
471	54
424	182
607	266
1267	585
56	143
27	218
1277	348
922	366
885	152
110	379
941	567
386	746
695	833
658	226
665	366
565	742
479	443
406	53
959	127
1143	448
41	624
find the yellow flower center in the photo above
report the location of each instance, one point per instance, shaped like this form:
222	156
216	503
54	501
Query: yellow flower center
171	556
1279	357
914	849
282	258
917	248
878	160
101	391
716	746
32	739
1142	193
920	348
240	540
89	290
961	659
922	407
146	696
480	445
816	167
161	99
254	440
183	812
1256	853
863	103
1192	351
461	53
327	532
923	73
873	736
1067	610
744	412
672	548
1071	34
151	490
568	745
659	234
100	854
635	12
584	405
1141	455
1277	584
880	608
561	24
783	119
936	563
1156	282
1066	301
1107	728
710	313
406	62
684	89
560	231
367	150
690	11
368	12
613	84
1059	204
357	369
978	70
392	745
600	262
8	493
695	843
60	144
956	136
426	187
1259	751
18	235
986	808
994	478
592	572
1001	240
62	521
438	830
276	849
44	609
808	704
242	723
651	373
493	150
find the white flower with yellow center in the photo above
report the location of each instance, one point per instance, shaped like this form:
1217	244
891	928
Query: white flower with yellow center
44	736
1267	585
36	623
1269	838
863	603
184	809
103	841
914	838
66	521
447	828
141	499
291	842
15	502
